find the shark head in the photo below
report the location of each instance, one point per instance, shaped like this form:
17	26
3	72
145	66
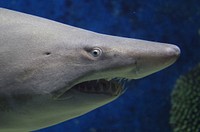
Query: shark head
102	64
51	72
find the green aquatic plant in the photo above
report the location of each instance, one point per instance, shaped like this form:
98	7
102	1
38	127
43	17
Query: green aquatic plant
185	112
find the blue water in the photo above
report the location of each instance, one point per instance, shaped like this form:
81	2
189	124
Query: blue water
146	104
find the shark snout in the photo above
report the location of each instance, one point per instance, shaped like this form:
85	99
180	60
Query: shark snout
154	58
173	51
169	55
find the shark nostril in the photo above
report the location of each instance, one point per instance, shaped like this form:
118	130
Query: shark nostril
47	53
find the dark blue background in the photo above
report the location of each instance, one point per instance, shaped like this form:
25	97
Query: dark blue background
146	104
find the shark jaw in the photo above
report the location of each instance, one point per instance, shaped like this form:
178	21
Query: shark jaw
109	87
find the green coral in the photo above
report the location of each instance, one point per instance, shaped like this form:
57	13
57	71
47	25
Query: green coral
185	112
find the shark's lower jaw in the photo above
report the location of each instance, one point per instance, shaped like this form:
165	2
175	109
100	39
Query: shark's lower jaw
110	87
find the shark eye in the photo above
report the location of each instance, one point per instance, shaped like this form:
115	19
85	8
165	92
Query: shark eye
96	52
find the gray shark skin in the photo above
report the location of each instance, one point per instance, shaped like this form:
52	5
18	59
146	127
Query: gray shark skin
51	72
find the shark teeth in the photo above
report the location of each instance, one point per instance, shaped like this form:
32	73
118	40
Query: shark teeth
109	86
113	87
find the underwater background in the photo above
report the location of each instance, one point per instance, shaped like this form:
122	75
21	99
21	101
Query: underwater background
146	105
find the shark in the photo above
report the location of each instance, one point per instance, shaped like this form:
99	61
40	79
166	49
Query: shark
51	72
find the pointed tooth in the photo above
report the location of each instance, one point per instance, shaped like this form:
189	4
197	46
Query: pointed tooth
124	85
101	88
109	79
93	89
110	85
110	88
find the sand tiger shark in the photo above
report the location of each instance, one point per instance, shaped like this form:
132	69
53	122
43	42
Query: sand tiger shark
51	72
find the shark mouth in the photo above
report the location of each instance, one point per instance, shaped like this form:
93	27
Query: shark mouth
112	87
